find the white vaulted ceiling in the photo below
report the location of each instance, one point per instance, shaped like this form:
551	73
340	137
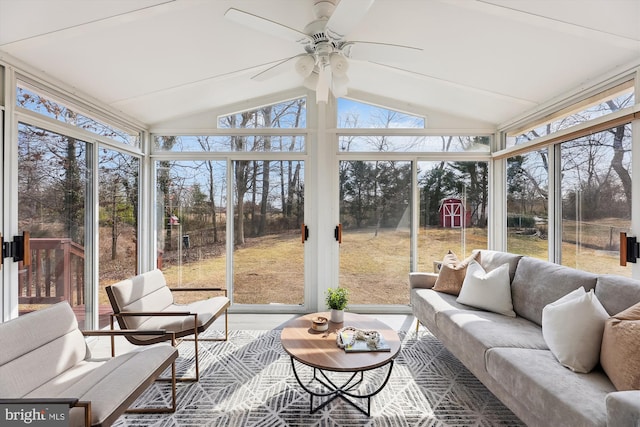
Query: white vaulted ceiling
483	61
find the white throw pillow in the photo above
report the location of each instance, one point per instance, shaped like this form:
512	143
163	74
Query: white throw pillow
489	291
572	327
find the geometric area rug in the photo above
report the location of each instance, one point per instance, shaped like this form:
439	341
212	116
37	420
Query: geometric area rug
248	381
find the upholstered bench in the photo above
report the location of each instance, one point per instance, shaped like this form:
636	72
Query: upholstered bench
45	360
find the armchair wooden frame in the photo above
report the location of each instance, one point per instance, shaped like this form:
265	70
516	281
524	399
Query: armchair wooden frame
181	335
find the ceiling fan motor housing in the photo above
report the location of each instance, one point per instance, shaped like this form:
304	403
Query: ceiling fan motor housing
323	8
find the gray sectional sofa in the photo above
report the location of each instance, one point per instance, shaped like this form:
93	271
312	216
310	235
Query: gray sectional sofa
509	354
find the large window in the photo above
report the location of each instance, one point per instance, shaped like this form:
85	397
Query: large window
191	215
251	184
404	144
229	143
53	191
569	183
376	200
596	199
527	204
375	213
118	176
453	210
46	104
268	257
358	115
602	104
284	115
56	202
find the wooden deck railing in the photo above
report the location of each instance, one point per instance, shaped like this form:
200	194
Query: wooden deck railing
56	273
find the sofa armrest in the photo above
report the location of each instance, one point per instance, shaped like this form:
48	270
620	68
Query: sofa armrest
422	280
129	332
112	333
623	408
152	313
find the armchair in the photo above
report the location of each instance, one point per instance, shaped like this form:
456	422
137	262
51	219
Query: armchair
146	302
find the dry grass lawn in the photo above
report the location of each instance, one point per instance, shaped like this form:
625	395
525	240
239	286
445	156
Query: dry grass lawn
373	267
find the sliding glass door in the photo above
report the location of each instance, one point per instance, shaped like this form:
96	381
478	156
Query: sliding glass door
268	255
53	206
191	215
375	213
266	217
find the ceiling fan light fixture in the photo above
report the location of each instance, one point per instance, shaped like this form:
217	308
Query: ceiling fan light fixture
339	90
339	85
339	64
305	65
311	81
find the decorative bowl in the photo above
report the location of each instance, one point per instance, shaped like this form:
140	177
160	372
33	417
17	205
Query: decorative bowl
320	323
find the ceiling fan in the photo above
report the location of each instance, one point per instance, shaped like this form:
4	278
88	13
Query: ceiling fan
325	61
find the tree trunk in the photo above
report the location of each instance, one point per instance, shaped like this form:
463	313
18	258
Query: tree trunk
114	221
212	201
73	204
618	167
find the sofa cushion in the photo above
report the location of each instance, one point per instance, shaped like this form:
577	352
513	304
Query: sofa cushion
476	331
620	346
561	397
538	283
31	348
144	292
452	273
425	303
109	383
205	309
572	327
490	260
617	293
623	409
487	290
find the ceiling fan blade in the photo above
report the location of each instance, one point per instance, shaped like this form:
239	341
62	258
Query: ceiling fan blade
278	68
346	16
373	51
267	26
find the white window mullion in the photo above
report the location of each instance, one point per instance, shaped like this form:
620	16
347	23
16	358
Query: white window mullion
635	166
10	195
554	231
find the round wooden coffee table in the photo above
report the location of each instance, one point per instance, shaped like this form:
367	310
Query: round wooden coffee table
319	351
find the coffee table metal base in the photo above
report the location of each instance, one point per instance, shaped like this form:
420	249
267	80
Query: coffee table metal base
346	391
